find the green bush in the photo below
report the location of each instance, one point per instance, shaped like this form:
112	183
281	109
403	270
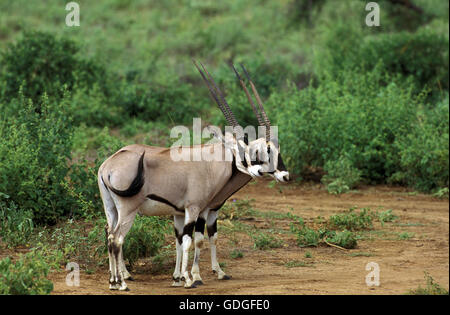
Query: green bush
431	288
145	238
26	276
170	102
83	174
42	63
352	220
70	240
265	241
16	226
345	239
422	55
375	126
424	152
34	156
341	175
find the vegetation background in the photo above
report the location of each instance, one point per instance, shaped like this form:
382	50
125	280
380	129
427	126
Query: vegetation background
354	104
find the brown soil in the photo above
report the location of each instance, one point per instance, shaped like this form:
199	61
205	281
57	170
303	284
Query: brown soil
330	270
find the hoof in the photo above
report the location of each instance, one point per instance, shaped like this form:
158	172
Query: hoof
124	289
130	278
114	287
189	284
225	277
192	286
177	284
197	283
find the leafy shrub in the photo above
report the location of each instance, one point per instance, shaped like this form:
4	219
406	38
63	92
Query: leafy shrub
307	237
345	239
72	241
236	253
170	102
145	238
423	55
356	116
424	152
45	64
236	209
16	226
34	154
326	233
341	175
351	220
83	173
386	216
91	106
265	241
27	276
432	288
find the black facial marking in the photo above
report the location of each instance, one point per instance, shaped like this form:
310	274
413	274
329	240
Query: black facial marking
200	225
246	139
241	153
212	229
281	167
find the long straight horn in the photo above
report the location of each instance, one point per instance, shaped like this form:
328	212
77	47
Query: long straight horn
255	110
224	102
258	99
214	95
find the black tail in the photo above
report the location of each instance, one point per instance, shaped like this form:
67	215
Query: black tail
136	184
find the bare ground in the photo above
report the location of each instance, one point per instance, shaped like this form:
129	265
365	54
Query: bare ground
329	270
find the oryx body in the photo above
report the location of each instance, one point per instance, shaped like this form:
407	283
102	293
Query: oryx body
144	179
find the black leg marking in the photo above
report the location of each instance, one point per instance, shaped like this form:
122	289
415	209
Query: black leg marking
188	229
178	236
200	225
212	229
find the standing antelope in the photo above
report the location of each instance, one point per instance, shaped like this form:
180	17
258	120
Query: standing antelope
144	179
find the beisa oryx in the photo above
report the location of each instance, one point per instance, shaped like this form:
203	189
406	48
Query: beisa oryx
146	180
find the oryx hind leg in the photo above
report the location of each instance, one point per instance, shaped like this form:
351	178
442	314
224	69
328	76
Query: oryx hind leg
116	238
211	225
178	222
111	218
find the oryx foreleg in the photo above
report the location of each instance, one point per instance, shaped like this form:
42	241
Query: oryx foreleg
198	242
211	224
191	215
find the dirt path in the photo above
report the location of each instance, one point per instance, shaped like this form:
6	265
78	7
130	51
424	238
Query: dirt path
402	262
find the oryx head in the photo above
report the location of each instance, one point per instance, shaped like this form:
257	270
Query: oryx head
263	154
257	157
238	143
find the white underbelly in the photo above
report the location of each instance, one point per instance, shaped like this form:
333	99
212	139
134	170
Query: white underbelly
156	208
